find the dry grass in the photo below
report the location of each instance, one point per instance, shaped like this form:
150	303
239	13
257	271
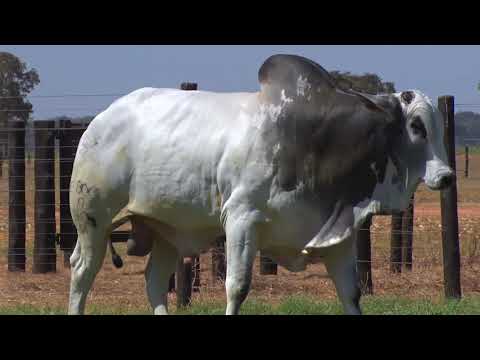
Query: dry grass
125	287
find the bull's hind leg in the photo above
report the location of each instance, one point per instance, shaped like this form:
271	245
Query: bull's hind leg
160	267
92	219
341	266
86	261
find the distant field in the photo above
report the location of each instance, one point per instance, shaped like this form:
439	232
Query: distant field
468	188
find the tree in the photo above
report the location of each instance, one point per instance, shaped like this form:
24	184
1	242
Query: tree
16	82
368	82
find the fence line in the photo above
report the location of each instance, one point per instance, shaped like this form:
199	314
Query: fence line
68	134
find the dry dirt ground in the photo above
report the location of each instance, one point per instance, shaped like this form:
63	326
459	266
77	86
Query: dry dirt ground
125	287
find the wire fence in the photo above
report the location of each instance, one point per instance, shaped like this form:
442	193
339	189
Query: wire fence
426	232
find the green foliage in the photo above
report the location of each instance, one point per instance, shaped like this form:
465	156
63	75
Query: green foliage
471	150
77	120
467	128
16	82
368	83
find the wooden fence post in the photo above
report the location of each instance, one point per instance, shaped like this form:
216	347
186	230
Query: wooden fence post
219	268
466	161
69	139
196	273
184	280
184	274
267	266
450	242
407	229
44	250
364	258
171	283
16	191
396	243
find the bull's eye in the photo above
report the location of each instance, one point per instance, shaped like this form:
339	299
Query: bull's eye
418	128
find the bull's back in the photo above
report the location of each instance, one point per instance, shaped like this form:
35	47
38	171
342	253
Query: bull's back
185	136
162	148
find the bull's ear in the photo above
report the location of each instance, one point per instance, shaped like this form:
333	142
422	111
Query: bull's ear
384	103
372	102
294	76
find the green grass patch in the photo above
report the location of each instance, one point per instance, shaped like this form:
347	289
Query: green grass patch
370	306
290	306
471	149
30	310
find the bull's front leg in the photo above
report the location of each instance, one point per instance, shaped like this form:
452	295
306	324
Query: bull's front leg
241	248
342	268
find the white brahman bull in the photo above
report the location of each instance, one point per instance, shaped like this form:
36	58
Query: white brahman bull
292	170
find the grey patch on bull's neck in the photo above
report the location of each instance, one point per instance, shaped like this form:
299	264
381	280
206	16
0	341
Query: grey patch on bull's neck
398	169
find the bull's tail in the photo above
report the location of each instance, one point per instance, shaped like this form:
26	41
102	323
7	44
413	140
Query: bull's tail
116	259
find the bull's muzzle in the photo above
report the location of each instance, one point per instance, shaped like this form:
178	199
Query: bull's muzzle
442	179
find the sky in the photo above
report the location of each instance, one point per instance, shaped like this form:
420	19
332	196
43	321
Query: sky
115	70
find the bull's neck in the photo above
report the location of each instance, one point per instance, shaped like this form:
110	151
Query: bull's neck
394	193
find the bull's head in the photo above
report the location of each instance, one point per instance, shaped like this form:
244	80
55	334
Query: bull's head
422	150
415	146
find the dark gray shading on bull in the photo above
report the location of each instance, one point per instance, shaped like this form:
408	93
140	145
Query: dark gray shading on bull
327	134
332	140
